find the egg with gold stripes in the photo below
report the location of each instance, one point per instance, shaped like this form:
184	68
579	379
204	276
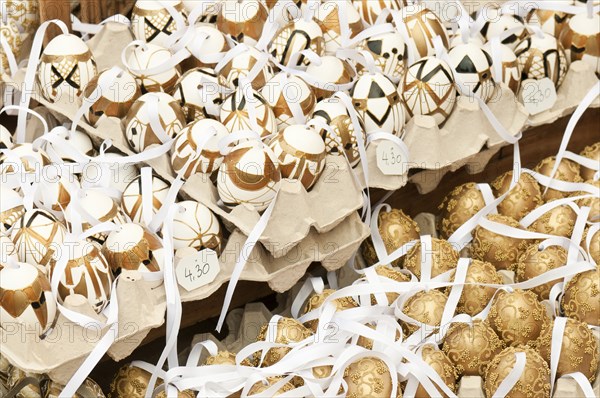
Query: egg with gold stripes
196	226
246	109
133	202
152	22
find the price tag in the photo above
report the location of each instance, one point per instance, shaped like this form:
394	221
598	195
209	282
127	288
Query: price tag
538	95
197	269
390	160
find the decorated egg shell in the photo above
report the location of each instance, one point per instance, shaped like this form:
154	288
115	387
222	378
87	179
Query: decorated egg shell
37	236
329	19
551	21
283	92
24	12
593	249
132	247
333	113
147	57
6	139
138	126
389	52
207	47
495	27
11	207
132	382
592	201
194	225
475	296
239	67
65	68
28	384
541	57
423	25
472	67
151	22
523	197
262	385
591	152
114	101
287	330
115	175
511	70
460	205
235	112
442	255
249	174
369	10
318	299
297	36
330	70
370	377
536	261
77	140
558	221
243	21
376	100
475	38
133	203
54	193
10	31
8	251
442	365
186	150
300	152
581	298
89	388
581	40
426	306
31	160
198	92
566	171
25	298
428	89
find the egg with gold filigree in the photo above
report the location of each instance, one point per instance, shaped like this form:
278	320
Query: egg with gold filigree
550	21
224	358
511	70
25	13
536	261
592	200
329	18
442	256
132	382
9	29
518	317
389	51
300	152
369	377
368	343
199	94
196	226
66	66
475	297
262	385
207	46
581	39
328	73
442	365
151	22
132	247
6	139
496	27
298	35
147	57
426	307
423	25
370	10
290	97
240	108
393	273
524	196
89	388
471	347
285	331
132	201
473	68
581	298
460	205
567	170
11	207
541	57
26	298
558	221
236	69
591	152
196	148
139	128
242	21
28	384
250	174
593	249
318	299
23	158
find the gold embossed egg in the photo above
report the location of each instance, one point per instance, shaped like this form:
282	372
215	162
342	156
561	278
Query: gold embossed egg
318	299
592	152
594	246
534	262
581	299
579	350
287	330
427	307
224	358
460	205
523	197
559	221
534	381
88	389
132	382
442	365
369	377
261	386
31	389
471	348
518	317
442	254
131	247
593	202
396	229
475	297
567	171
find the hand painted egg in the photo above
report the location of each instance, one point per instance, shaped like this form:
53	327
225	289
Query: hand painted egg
87	273
78	140
151	22
194	225
475	38
131	247
524	196
55	191
581	40
109	174
199	160
6	139
426	306
591	152
132	382
377	101
37	235
475	296
284	92
239	67
318	299
287	330
442	254
133	203
12	35
428	89
581	298
551	22
328	16
11	207
459	206
511	70
594	247
235	113
249	174
497	26
389	52
89	388
243	21
210	9
331	70
147	57
472	66
138	127
112	102
567	170
369	377
65	68
207	47
24	12
301	154
542	57
370	10
423	25
24	159
260	386
297	36
535	262
442	365
334	114
26	299
199	94
592	202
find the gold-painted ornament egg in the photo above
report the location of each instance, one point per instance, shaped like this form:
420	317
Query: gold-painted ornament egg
290	97
443	257
23	158
65	68
473	67
594	246
541	57
147	57
133	203
198	92
88	389
297	36
566	171
518	317
581	298
460	205
442	365
423	25
235	113
25	13
534	381
511	70
330	71
11	207
551	21
238	68
369	377
318	299
27	383
592	201
592	152
366	342
328	16
261	386
427	307
475	297
131	247
224	358
581	39
151	22
249	174
559	221
188	158
495	27
194	225
207	46
389	50
132	382
370	10
287	330
243	21
300	152
472	347
9	29
524	196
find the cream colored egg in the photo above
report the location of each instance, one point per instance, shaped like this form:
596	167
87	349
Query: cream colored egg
287	94
301	154
297	36
187	158
330	70
550	21
238	68
369	10
243	21
511	70
389	51
133	248
541	57
472	67
147	57
24	12
194	225
474	38
328	16
207	45
496	26
67	141
138	123
250	175
423	25
133	203
11	207
581	40
23	158
110	173
199	94
6	140
152	22
236	113
55	191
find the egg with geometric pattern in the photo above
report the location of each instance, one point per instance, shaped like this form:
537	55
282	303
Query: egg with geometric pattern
133	202
423	25
502	23
329	18
241	107
290	97
581	40
151	56
199	94
243	21
196	226
236	69
542	56
369	10
152	22
297	36
511	70
472	66
389	52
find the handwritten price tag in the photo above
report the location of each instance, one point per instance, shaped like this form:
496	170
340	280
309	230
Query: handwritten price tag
538	95
390	159
197	269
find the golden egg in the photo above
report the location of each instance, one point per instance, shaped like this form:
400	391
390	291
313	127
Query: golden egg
518	317
592	202
31	390
559	221
534	381
261	386
443	366
393	274
88	389
567	171
592	152
594	249
288	330
523	197
581	299
534	262
224	358
471	348
444	258
579	352
369	378
132	382
502	251
396	229
462	203
426	307
475	297
317	300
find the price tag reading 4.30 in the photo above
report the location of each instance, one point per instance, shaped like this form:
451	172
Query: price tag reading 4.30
390	158
538	95
197	269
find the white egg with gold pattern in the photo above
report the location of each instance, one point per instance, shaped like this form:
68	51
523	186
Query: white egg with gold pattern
196	226
238	68
330	70
198	92
289	95
328	16
243	21
473	68
131	247
511	70
370	10
423	25
541	57
133	203
147	57
236	113
297	36
389	52
153	23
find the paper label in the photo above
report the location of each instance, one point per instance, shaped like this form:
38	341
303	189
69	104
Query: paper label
198	269
538	95
389	158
